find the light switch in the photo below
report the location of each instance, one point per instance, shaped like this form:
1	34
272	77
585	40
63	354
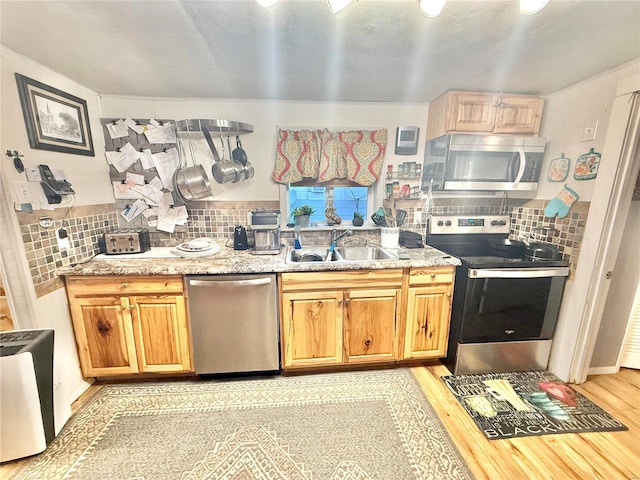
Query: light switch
589	131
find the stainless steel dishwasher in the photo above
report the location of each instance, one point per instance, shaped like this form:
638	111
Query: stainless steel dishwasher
234	323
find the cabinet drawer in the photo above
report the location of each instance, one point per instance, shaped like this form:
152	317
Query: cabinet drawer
427	276
123	285
343	279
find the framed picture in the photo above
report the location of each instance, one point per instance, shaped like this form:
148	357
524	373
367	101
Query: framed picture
55	120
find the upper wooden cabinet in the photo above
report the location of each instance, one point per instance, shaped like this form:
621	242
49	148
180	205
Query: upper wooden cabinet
130	325
484	113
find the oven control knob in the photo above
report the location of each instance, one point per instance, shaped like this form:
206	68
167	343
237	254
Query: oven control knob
448	223
440	223
501	222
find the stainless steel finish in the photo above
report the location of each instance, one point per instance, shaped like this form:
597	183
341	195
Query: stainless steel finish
502	356
234	323
354	253
192	183
215	126
266	232
490	186
336	238
343	254
518	272
496	143
454	224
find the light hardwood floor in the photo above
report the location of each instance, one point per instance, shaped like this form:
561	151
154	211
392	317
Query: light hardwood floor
587	456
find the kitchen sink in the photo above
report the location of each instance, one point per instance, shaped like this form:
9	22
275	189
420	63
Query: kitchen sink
362	253
342	254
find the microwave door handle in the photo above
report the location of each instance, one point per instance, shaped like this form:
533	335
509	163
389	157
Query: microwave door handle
521	168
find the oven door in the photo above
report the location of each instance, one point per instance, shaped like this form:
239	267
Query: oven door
511	304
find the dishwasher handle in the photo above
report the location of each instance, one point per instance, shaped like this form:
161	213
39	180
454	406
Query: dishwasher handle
230	283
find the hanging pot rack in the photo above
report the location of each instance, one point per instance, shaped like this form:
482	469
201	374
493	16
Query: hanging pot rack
214	126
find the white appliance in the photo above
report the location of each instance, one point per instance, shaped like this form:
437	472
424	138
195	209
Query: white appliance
26	393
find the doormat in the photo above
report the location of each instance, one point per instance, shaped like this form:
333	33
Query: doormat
521	404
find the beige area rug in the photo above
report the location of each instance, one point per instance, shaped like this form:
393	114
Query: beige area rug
351	426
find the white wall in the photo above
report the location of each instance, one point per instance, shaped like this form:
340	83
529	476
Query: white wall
266	116
89	176
565	119
565	115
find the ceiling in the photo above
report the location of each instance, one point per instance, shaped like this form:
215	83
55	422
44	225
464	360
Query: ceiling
373	50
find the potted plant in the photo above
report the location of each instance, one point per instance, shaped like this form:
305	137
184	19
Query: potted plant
301	215
358	219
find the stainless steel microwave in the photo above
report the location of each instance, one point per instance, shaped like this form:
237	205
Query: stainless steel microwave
482	162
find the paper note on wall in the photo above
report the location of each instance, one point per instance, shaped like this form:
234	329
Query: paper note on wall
166	163
123	159
160	134
134	210
146	158
118	129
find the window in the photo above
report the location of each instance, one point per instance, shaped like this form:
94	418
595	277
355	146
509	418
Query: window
345	199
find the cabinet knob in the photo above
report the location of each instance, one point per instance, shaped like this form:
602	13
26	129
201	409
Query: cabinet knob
433	275
124	285
367	342
340	301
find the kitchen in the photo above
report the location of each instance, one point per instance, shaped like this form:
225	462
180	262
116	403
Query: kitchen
567	110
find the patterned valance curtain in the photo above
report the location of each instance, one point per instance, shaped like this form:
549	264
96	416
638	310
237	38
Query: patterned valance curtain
322	155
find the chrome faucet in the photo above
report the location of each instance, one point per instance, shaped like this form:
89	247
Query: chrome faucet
335	238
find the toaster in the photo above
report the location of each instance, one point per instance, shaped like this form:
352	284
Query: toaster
132	240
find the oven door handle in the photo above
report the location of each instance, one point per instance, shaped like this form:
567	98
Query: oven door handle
518	272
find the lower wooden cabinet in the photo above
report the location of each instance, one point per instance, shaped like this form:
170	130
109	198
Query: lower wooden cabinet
130	325
323	325
338	318
429	299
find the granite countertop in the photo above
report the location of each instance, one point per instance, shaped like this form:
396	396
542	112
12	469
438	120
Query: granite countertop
163	261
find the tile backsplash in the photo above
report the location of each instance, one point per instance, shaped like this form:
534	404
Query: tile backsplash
85	225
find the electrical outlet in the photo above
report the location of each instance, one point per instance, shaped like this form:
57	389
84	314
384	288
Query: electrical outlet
417	216
63	239
33	174
589	131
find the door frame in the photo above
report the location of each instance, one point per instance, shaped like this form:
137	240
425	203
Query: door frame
622	142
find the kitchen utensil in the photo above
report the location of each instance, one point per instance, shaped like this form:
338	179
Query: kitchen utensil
378	220
224	171
238	154
401	217
238	167
542	251
389	219
190	183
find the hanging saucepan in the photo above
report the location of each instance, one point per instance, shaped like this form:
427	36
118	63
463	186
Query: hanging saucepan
190	183
238	154
238	167
224	171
